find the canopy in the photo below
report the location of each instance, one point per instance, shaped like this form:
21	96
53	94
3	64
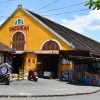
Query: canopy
75	53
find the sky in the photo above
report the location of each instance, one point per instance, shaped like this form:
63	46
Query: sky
72	14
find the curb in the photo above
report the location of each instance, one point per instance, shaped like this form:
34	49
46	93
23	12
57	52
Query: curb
37	96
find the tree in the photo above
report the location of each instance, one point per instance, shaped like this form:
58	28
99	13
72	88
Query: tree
93	4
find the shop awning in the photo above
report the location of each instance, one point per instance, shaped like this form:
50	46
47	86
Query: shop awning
5	49
75	53
47	52
95	55
98	59
22	52
19	52
80	56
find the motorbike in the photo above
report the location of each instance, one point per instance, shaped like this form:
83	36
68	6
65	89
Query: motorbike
33	76
5	72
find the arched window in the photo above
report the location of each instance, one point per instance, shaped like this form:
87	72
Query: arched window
51	45
18	22
18	41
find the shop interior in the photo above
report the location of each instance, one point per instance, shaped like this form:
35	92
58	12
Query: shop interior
17	63
48	63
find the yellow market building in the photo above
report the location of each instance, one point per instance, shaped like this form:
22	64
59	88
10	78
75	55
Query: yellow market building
37	42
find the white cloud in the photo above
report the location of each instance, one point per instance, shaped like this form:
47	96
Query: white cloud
80	23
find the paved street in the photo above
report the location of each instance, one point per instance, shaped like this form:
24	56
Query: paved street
95	96
43	87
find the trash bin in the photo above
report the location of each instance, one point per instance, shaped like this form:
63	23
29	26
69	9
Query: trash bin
5	72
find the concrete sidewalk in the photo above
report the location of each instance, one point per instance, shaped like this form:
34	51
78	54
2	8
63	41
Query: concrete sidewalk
44	88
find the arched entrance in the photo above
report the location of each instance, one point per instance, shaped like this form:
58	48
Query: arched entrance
18	43
49	62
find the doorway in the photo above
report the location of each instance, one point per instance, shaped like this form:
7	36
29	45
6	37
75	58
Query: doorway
49	63
17	63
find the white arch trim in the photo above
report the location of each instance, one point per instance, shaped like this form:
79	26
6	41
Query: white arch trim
50	40
22	33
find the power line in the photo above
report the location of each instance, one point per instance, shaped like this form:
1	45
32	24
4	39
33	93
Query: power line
63	7
5	17
55	14
47	5
66	12
6	1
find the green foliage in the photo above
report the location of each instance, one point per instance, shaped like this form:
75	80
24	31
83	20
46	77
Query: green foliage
93	4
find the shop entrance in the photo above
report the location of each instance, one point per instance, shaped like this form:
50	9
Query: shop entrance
17	63
48	63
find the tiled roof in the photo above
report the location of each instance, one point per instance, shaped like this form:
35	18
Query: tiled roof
5	48
79	41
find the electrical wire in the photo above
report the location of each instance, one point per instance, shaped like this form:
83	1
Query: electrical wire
66	12
63	7
55	14
6	1
4	17
47	5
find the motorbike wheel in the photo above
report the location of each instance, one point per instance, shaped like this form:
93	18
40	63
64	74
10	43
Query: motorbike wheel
35	80
7	82
29	78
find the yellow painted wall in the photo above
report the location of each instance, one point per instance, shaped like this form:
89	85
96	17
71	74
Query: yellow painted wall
35	36
32	64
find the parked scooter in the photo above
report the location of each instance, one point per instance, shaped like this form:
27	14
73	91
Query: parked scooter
5	72
33	76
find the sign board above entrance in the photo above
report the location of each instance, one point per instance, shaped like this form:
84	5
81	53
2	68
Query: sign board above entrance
16	28
47	52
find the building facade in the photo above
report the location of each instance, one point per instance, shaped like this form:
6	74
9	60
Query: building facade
38	42
35	45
